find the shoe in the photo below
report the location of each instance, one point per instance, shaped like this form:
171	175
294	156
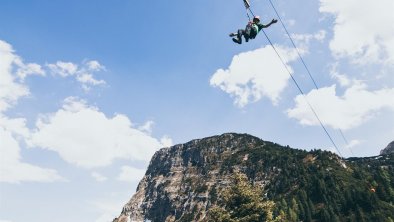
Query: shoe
236	40
232	34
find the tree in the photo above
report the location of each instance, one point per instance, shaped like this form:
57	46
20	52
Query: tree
324	215
243	203
360	214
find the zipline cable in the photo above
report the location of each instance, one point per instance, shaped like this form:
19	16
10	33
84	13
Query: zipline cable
291	39
344	138
299	88
247	5
303	62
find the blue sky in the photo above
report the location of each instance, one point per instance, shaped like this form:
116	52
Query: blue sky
89	90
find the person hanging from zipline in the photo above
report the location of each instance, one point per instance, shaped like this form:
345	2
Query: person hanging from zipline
251	30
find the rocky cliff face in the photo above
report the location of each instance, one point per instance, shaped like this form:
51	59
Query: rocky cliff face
389	149
184	181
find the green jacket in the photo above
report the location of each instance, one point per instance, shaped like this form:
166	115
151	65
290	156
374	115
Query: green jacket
255	29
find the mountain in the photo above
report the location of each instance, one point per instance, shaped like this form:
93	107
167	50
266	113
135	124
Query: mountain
197	181
389	149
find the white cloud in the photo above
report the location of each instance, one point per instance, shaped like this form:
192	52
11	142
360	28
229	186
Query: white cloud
88	78
12	170
29	69
16	126
166	141
63	69
131	174
303	41
12	73
94	65
363	29
255	74
86	137
83	73
355	107
341	78
147	127
98	177
306	38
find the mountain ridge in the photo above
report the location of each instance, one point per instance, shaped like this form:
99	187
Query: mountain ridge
183	182
389	149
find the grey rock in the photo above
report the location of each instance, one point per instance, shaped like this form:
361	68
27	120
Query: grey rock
389	149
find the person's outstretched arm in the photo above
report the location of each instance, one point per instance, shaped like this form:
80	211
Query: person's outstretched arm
273	21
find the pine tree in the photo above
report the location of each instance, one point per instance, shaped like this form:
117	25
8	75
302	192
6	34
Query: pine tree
360	215
324	215
243	203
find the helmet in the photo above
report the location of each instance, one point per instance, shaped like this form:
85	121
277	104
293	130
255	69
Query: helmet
256	18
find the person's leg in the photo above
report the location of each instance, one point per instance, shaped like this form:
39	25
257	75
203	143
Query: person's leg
238	36
240	33
238	39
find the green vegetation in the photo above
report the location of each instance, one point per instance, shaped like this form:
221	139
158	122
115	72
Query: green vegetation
242	202
327	191
319	186
269	182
